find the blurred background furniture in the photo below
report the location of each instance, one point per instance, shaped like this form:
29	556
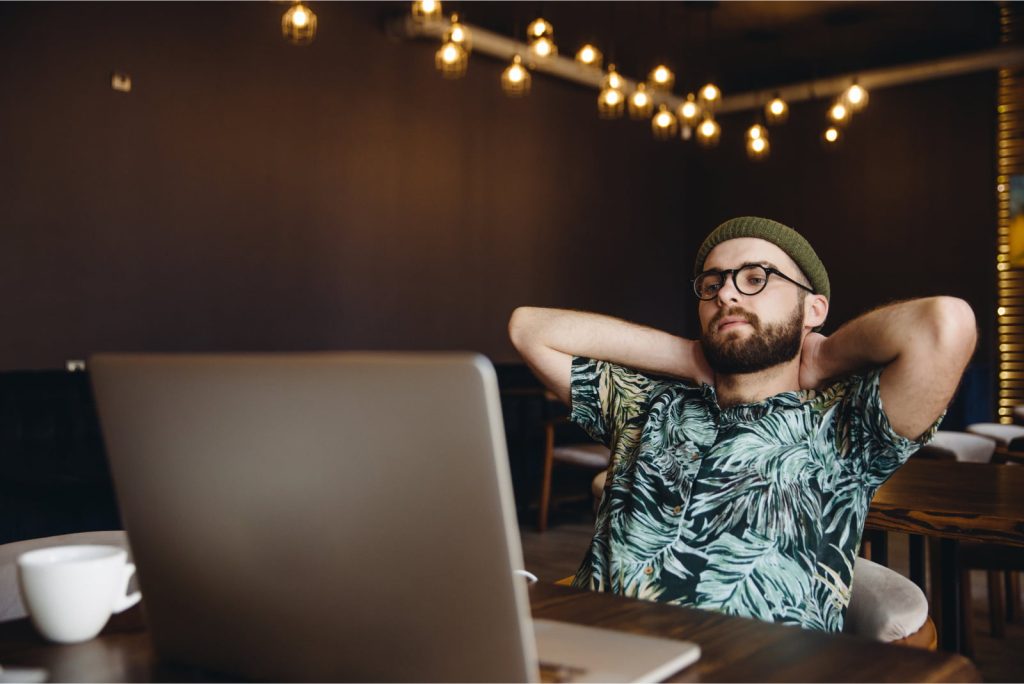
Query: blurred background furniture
567	444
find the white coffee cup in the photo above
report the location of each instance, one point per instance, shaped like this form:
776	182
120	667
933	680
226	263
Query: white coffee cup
71	591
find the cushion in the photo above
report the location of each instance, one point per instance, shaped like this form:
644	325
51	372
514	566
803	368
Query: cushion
966	447
884	605
11	606
590	455
1003	434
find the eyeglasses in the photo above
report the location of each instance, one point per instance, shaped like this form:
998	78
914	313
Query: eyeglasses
749	280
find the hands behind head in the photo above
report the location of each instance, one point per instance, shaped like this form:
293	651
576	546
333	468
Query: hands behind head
812	374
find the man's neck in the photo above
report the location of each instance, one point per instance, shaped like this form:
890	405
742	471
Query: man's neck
751	388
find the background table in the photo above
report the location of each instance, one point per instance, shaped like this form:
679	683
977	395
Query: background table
734	649
952	501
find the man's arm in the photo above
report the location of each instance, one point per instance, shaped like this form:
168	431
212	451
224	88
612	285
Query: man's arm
924	344
547	339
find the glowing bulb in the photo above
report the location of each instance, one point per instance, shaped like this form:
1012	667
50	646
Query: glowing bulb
776	111
758	144
1001	311
298	24
831	136
838	113
661	77
640	103
460	35
543	47
709	132
539	27
610	103
755	132
855	97
589	55
612	97
451	60
515	80
710	93
450	53
664	124
613	79
689	111
426	10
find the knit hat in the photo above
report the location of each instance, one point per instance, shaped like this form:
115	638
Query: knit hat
783	237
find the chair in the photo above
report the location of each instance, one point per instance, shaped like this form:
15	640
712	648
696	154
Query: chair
978	445
11	606
585	455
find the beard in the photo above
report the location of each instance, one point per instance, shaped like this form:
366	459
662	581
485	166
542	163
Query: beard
768	346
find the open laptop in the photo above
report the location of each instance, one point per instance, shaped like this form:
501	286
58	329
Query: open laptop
336	516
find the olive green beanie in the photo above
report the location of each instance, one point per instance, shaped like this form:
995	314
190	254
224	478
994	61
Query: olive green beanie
783	237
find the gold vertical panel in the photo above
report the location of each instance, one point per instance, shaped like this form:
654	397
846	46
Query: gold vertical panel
1010	244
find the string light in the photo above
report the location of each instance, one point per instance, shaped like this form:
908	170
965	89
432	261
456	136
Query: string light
855	97
640	103
832	137
457	33
710	96
451	60
709	132
590	55
839	114
515	80
661	78
611	102
689	112
612	79
757	142
542	38
664	124
776	111
298	25
426	10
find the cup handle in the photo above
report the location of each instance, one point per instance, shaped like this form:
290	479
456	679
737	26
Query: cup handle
126	602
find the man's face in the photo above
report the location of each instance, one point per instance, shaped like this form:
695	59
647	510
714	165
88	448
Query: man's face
749	333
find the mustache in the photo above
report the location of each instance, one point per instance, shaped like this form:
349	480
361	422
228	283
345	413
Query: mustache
735	311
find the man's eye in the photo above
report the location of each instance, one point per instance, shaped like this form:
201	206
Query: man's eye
711	288
755	280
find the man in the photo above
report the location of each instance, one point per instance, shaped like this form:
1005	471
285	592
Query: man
743	464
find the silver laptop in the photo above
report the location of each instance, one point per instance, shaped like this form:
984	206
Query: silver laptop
336	516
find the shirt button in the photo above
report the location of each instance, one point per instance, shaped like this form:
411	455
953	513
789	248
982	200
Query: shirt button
677	510
648	570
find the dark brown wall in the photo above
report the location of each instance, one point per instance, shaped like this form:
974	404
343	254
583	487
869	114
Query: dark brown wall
253	195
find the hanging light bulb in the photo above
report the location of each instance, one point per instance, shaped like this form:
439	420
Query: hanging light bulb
839	114
710	96
664	124
589	55
543	47
661	78
776	111
708	132
298	25
426	10
540	27
457	33
515	80
855	98
451	60
640	103
612	79
611	103
832	137
541	35
757	142
689	111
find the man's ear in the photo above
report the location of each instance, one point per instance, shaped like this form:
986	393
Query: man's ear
815	310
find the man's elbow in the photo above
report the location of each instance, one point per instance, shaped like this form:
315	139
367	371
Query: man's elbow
520	325
954	328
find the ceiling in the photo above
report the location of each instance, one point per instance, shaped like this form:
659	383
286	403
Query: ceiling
750	45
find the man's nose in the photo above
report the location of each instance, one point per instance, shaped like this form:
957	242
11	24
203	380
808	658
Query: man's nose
728	292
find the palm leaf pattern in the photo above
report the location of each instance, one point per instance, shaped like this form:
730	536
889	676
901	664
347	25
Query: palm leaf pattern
752	510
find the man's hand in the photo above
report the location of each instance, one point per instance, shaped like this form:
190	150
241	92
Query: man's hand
812	375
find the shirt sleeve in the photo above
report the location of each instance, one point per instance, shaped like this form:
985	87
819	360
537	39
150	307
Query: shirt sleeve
607	397
864	434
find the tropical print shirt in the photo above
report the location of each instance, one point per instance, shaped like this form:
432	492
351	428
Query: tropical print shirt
753	510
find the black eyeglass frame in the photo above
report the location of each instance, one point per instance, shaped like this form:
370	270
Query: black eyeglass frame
769	271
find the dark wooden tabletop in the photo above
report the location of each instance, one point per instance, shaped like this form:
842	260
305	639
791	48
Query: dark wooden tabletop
734	649
973	501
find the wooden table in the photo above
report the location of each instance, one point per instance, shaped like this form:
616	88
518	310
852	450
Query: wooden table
952	501
734	649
